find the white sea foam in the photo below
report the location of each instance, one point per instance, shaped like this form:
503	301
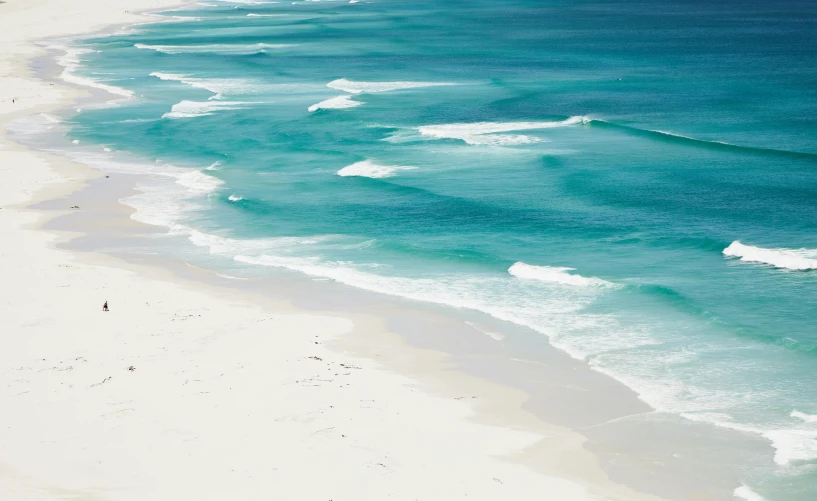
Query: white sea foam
808	418
30	126
372	87
218	86
192	109
793	445
553	274
747	494
250	2
333	103
345	101
790	445
230	277
71	60
230	49
235	198
367	168
229	247
165	204
196	181
790	259
159	200
489	133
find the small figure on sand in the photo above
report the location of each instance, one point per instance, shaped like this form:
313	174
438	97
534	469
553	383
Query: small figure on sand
105	306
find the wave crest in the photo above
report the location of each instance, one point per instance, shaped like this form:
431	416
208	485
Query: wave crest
808	418
367	168
335	103
228	49
372	87
790	259
488	133
554	274
747	494
70	61
192	109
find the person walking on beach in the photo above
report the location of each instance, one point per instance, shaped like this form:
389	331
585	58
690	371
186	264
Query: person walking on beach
105	306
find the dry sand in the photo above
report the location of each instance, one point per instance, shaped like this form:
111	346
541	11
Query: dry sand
190	392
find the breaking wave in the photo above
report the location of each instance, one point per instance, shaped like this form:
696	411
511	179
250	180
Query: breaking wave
335	103
367	168
229	49
559	275
489	133
70	61
371	87
747	494
192	109
790	259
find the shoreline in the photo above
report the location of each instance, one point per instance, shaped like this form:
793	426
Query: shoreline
401	339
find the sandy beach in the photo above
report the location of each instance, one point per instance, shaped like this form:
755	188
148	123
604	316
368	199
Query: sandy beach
193	387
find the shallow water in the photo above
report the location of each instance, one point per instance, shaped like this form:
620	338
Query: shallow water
634	181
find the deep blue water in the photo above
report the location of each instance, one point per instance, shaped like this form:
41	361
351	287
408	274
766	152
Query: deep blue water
469	153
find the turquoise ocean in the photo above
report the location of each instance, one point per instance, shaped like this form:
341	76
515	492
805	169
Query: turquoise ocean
636	180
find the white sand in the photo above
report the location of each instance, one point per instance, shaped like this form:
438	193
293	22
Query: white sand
231	398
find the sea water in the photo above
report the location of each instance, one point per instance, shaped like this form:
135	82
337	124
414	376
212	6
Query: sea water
635	180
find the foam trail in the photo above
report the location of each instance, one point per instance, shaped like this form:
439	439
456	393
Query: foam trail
808	418
371	87
230	49
367	168
790	259
553	274
70	61
250	2
496	336
487	133
790	445
192	109
334	103
197	182
231	86
218	86
793	445
747	494
33	125
235	198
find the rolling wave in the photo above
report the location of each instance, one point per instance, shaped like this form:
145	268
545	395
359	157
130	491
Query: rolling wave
789	259
70	61
488	133
193	109
335	103
674	137
559	275
747	494
218	86
371	87
808	418
228	49
367	168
